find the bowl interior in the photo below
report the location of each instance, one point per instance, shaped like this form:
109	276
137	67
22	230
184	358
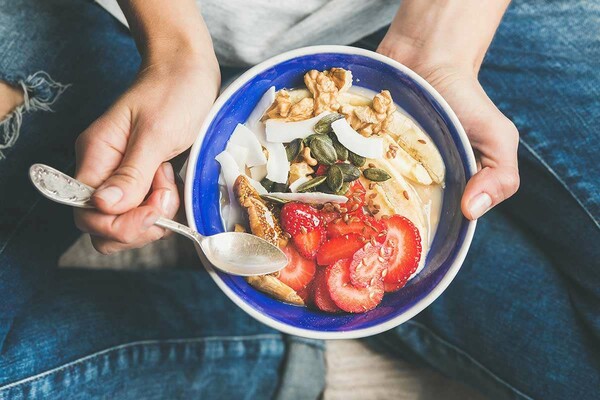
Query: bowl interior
413	98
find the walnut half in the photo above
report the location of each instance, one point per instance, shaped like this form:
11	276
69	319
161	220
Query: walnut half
371	120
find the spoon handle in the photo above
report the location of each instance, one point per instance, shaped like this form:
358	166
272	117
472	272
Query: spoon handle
62	188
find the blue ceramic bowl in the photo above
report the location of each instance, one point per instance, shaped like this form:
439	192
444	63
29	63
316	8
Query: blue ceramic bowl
415	96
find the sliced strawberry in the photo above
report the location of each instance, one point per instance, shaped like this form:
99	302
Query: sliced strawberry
404	244
308	243
339	247
348	297
299	271
306	293
368	265
321	170
299	218
329	216
361	224
322	298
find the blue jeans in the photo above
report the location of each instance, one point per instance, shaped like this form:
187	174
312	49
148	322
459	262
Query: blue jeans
521	320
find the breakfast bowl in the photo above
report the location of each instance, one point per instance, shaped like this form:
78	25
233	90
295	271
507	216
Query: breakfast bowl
420	102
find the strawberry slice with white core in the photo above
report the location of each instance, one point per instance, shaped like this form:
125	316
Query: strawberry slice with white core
348	297
368	265
404	244
299	271
308	243
321	296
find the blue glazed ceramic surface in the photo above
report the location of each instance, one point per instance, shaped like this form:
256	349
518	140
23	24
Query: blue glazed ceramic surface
375	73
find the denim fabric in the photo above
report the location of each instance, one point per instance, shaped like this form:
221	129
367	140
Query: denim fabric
76	334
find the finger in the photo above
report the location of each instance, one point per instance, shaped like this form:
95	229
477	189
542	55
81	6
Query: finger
99	149
498	178
132	229
165	193
129	184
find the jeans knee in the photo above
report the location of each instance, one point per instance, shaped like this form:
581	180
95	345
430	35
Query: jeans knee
18	96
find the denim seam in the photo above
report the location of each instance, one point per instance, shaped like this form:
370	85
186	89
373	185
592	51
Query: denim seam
468	357
50	372
561	181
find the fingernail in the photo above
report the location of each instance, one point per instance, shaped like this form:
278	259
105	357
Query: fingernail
479	205
110	195
150	220
165	200
169	173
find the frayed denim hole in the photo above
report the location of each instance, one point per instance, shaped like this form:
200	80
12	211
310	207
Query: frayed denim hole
40	92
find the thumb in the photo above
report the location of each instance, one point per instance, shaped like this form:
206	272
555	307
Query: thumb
129	184
487	188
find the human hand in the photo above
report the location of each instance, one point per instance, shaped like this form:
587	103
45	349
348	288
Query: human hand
124	153
493	136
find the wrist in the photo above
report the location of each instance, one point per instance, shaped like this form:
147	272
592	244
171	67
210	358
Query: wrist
438	33
425	59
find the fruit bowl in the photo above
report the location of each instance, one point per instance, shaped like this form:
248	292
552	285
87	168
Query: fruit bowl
419	100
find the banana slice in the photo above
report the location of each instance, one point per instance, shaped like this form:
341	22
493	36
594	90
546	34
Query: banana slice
405	163
416	143
274	287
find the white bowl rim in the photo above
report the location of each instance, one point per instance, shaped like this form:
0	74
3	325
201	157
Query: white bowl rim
266	319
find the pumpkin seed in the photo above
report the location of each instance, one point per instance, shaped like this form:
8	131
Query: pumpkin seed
324	124
335	178
323	151
350	172
340	150
273	199
280	187
310	138
355	159
376	174
324	188
293	149
344	189
267	184
314	182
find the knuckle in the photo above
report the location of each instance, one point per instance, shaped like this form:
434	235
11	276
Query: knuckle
129	173
511	183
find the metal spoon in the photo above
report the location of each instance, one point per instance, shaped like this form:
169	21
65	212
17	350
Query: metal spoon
232	252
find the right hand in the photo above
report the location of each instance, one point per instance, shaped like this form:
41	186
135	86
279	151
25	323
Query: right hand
125	152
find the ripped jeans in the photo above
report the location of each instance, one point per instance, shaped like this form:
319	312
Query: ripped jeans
521	320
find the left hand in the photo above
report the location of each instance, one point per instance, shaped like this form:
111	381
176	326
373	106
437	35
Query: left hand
493	136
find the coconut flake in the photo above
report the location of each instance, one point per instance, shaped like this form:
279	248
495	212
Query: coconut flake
294	185
257	185
310	197
239	154
258	172
279	131
261	107
242	136
278	166
230	171
355	142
